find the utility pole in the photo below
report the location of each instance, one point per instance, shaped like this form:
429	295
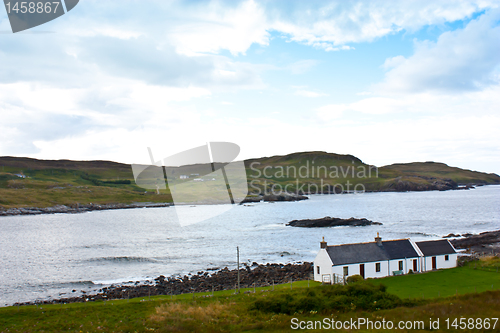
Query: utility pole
238	258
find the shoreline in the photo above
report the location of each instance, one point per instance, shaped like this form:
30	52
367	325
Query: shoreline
291	197
484	243
258	275
63	209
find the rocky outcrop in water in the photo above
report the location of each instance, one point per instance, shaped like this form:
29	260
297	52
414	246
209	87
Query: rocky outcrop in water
274	198
331	222
60	209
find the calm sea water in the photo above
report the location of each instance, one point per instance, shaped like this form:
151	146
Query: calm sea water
50	255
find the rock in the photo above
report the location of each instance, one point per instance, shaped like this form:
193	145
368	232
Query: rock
224	279
251	199
451	235
484	238
284	197
331	222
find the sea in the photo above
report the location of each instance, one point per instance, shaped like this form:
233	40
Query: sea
44	257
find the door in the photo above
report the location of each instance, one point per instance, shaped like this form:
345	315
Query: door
415	267
434	265
362	270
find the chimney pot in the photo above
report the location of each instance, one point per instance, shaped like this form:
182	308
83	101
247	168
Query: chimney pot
323	244
378	239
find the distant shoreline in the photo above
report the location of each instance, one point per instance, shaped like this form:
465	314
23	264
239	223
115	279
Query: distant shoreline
75	209
63	209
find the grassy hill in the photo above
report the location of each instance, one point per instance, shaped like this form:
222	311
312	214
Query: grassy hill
49	183
322	171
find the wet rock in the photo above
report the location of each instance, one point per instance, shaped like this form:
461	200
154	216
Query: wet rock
331	222
484	238
284	197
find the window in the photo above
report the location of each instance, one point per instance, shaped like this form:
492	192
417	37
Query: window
377	267
446	257
346	270
317	268
401	265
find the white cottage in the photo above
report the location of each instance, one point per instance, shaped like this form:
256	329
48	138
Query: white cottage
370	260
437	254
381	258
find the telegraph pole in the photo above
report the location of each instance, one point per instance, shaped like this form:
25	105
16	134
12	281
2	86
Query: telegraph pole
238	258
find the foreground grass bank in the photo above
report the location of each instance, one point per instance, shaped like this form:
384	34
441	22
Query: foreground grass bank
272	310
476	276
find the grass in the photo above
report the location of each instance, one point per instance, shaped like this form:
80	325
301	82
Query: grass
443	283
225	311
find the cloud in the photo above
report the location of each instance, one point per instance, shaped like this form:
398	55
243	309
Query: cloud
307	93
218	26
462	60
484	103
334	24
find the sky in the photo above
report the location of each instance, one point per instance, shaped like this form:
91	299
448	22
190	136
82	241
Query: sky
386	81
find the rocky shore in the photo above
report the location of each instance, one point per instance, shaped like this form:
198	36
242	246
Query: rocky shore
485	242
224	279
62	209
331	222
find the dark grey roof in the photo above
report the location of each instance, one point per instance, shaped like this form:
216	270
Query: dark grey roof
435	247
369	252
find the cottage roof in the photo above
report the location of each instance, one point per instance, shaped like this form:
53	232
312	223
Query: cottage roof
370	252
436	247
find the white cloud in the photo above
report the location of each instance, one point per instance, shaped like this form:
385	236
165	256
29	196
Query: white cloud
480	102
216	27
338	23
461	60
311	94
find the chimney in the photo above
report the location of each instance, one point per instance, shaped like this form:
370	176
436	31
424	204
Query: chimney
378	239
322	244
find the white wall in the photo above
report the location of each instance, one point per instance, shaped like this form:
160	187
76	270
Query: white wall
386	268
441	262
325	263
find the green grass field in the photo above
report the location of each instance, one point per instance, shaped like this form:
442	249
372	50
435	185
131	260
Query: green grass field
446	282
226	311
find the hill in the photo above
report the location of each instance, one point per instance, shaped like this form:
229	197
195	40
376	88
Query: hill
321	172
27	182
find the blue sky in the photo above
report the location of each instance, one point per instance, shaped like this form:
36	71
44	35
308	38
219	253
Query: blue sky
386	81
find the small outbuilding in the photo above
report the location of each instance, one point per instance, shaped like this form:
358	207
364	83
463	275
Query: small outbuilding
437	254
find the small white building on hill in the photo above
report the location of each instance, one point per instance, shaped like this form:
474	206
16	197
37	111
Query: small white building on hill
437	254
381	258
